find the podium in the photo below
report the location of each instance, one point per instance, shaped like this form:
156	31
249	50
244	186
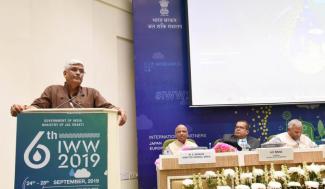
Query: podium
67	148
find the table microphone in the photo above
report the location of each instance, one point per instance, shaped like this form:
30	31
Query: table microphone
68	101
73	103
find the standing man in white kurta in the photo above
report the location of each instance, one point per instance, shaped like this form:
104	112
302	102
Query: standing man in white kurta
294	137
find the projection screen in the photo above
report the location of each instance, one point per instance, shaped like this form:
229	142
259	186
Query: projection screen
250	52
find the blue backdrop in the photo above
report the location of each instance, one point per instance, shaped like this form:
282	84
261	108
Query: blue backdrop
162	91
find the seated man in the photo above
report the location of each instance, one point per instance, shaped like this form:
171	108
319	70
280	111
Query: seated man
181	141
240	137
293	137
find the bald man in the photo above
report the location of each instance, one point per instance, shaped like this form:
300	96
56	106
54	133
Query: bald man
181	141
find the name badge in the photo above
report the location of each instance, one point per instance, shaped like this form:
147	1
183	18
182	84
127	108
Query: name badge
196	156
275	154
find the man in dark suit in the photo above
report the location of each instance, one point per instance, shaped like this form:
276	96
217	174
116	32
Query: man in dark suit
241	139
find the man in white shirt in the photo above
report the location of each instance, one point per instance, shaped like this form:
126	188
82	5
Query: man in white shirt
294	137
181	141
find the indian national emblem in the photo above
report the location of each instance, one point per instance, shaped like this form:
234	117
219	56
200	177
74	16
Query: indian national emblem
164	7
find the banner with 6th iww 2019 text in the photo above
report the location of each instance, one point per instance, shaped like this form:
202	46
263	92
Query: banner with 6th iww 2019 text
61	150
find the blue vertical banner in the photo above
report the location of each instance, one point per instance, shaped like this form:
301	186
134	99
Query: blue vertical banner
163	92
61	150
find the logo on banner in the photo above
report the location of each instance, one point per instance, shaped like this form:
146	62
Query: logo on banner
39	161
164	7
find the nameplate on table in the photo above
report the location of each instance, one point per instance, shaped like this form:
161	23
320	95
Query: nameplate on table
196	156
275	154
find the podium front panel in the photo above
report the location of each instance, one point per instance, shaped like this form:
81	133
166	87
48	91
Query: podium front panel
62	150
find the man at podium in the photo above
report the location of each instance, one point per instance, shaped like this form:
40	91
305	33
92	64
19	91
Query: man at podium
71	94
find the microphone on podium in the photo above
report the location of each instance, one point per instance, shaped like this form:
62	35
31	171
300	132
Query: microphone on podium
71	102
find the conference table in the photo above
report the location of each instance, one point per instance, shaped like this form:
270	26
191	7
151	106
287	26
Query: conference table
170	172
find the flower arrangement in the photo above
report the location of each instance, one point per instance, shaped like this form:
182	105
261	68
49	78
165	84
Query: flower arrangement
258	175
187	184
223	187
279	175
274	185
297	170
296	174
237	173
313	172
266	177
242	186
223	147
211	179
257	172
198	181
313	168
229	173
195	183
299	177
322	168
311	184
258	186
322	183
246	178
222	181
210	174
294	185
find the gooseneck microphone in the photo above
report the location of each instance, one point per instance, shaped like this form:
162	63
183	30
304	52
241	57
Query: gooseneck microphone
71	102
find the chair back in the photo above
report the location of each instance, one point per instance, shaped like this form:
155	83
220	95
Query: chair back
216	141
167	142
